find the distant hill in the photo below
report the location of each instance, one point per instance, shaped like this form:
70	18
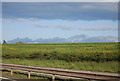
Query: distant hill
73	39
24	40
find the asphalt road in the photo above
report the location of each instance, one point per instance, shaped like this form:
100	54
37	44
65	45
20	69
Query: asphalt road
9	79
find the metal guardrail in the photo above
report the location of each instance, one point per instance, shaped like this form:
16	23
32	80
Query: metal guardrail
64	72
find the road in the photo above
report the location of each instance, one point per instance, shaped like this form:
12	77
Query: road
9	79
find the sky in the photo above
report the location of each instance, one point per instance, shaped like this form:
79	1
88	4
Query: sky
59	0
59	19
0	21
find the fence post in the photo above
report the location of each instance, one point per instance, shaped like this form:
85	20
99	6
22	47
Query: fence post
28	74
11	71
53	77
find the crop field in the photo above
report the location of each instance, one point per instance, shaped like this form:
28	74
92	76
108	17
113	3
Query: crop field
81	56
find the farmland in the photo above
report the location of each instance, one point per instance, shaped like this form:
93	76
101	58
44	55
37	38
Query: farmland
82	56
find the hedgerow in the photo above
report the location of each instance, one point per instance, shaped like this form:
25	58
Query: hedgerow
70	52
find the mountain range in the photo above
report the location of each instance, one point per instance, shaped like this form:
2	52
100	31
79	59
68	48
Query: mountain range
72	39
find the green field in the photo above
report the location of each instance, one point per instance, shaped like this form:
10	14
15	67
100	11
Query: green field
81	56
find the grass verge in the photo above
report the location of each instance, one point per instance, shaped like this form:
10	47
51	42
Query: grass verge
111	66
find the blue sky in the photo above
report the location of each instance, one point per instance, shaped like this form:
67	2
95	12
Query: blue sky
59	19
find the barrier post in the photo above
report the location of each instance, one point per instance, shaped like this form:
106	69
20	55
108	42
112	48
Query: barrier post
28	74
53	77
11	71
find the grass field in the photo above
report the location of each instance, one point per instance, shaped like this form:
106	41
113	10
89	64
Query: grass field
81	56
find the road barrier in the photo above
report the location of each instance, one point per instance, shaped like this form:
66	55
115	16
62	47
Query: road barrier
63	72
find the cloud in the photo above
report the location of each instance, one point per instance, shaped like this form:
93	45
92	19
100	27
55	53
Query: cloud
61	10
20	19
69	27
98	28
77	37
85	38
101	39
54	26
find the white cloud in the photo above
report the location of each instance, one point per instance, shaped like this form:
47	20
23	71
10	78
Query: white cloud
77	37
98	28
19	19
101	38
68	27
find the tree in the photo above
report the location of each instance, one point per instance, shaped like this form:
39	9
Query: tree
4	42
